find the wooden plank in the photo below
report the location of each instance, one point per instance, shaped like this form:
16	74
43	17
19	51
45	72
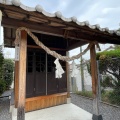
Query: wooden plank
41	102
22	77
42	97
94	80
16	83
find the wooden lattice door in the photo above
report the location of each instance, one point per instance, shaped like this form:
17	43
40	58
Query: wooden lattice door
40	77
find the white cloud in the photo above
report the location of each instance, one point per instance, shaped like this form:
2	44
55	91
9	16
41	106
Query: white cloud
103	12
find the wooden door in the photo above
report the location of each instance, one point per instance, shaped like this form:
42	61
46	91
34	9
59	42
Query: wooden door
40	78
52	83
62	82
40	73
30	74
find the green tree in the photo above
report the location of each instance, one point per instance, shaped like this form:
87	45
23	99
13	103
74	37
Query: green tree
8	72
109	63
109	67
2	83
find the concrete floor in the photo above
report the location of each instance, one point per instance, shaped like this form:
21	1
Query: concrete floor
61	112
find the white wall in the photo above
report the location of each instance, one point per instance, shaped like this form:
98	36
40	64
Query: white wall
76	85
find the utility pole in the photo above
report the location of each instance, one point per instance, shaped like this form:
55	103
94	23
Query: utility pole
81	69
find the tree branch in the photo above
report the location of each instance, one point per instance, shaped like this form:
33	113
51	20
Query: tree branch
114	74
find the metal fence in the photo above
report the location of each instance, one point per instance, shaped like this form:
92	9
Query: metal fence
108	80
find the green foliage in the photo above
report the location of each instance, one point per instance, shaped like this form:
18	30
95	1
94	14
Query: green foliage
2	86
108	54
105	96
1	59
114	97
107	81
109	63
109	67
8	72
85	93
117	46
2	83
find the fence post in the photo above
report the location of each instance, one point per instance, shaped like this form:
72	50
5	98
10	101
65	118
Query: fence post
99	85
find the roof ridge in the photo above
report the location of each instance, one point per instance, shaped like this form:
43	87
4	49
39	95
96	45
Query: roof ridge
59	15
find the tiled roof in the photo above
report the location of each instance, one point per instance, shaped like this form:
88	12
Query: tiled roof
59	15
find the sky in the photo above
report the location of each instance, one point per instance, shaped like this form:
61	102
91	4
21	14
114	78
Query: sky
102	12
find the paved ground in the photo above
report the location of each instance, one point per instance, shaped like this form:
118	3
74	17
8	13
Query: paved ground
108	112
4	105
61	112
4	109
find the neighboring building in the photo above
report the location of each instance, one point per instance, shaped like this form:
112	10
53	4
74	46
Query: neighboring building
76	83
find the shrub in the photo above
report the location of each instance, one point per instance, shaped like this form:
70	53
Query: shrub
85	93
1	62
2	86
108	54
109	63
114	97
105	96
8	72
2	83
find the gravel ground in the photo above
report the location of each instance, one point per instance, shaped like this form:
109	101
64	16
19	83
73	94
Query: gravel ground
108	112
4	109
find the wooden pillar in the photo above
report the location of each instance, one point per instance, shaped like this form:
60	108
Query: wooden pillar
22	77
68	80
96	115
16	83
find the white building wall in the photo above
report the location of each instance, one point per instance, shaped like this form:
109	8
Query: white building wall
76	84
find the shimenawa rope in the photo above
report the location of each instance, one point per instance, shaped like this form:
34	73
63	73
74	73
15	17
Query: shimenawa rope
53	53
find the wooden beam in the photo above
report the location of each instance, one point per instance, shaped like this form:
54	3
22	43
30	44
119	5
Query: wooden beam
35	27
4	13
22	77
68	77
32	46
78	44
94	80
93	70
26	17
66	32
16	83
56	31
38	28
